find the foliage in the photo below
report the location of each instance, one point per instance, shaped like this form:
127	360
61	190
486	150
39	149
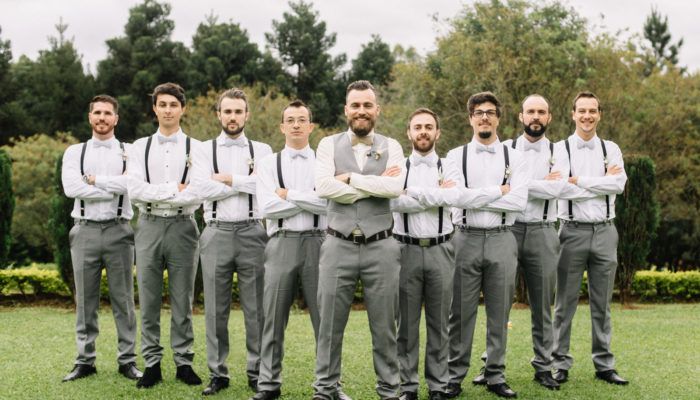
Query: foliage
664	54
60	224
7	205
9	121
33	168
373	63
636	219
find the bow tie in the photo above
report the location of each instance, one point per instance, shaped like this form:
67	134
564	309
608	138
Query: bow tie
361	139
99	143
531	146
489	149
240	142
166	139
427	161
589	144
298	153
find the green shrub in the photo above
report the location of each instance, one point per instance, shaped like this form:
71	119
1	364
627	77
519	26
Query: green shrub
7	205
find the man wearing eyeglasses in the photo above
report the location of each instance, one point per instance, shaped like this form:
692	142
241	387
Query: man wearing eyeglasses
233	240
296	221
588	238
485	247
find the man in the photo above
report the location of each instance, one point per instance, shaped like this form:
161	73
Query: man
534	230
295	224
234	239
588	238
93	174
422	223
486	251
349	166
166	236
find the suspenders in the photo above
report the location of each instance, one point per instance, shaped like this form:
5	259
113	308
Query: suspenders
216	171
280	179
551	155
184	174
250	172
605	164
82	173
405	183
506	174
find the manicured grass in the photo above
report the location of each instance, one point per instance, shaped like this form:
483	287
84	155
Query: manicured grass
656	346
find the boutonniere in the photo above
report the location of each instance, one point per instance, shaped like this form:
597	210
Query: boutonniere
188	161
508	172
441	177
552	160
124	155
376	154
605	161
251	162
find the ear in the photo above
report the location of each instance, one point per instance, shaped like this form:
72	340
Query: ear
437	135
520	117
116	119
247	116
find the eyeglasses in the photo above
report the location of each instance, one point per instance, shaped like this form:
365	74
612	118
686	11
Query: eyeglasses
481	113
292	121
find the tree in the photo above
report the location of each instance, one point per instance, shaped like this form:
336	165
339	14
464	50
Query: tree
373	63
139	61
664	54
11	116
302	44
7	205
60	224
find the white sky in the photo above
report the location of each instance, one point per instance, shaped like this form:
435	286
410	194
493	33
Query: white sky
28	23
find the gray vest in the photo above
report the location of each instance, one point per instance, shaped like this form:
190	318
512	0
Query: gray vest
371	215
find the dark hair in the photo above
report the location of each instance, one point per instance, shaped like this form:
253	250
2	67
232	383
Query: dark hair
105	98
233	93
586	95
297	104
360	85
522	105
481	98
172	89
423	110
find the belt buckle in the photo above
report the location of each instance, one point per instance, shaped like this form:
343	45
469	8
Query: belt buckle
424	242
356	238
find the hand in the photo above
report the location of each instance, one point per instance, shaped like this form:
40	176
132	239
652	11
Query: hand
223	178
573	180
553	176
282	193
345	178
392	171
505	189
91	180
448	184
181	186
614	170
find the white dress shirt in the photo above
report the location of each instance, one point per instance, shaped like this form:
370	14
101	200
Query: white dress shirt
233	158
166	166
361	186
486	170
302	202
588	165
104	160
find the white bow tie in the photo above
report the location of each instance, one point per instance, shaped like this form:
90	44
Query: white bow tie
531	146
240	142
298	153
99	143
490	149
582	144
167	139
427	161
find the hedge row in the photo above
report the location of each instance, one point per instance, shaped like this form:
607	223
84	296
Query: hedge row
647	286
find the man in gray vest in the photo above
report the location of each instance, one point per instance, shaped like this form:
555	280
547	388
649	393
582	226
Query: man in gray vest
349	169
166	236
486	250
588	237
93	174
296	221
234	239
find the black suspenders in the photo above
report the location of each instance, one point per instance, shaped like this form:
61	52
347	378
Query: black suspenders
405	184
184	174
605	164
466	180
216	171
281	182
82	173
506	174
551	155
251	166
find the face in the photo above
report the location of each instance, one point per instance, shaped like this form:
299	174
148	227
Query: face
484	125
361	111
168	110
423	133
535	116
233	115
103	120
296	126
586	115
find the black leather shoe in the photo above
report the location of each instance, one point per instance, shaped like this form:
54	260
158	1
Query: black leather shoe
545	379
253	383
340	395
453	390
434	395
481	378
561	375
80	371
502	390
130	371
408	396
611	376
215	385
267	395
186	374
151	377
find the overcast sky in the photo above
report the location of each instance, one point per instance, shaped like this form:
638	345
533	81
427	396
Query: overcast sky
28	23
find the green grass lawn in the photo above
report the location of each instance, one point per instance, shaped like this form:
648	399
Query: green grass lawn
657	348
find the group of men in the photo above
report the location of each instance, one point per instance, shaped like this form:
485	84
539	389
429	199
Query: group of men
417	231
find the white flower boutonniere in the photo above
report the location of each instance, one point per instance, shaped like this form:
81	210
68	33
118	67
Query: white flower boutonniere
508	172
552	160
188	161
251	162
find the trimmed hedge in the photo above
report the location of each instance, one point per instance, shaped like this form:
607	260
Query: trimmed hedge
648	286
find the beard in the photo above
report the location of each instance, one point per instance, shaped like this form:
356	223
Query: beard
423	143
485	134
535	132
233	132
360	130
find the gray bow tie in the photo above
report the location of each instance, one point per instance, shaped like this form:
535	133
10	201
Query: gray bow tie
427	161
489	149
297	153
531	146
99	143
589	144
167	139
240	142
